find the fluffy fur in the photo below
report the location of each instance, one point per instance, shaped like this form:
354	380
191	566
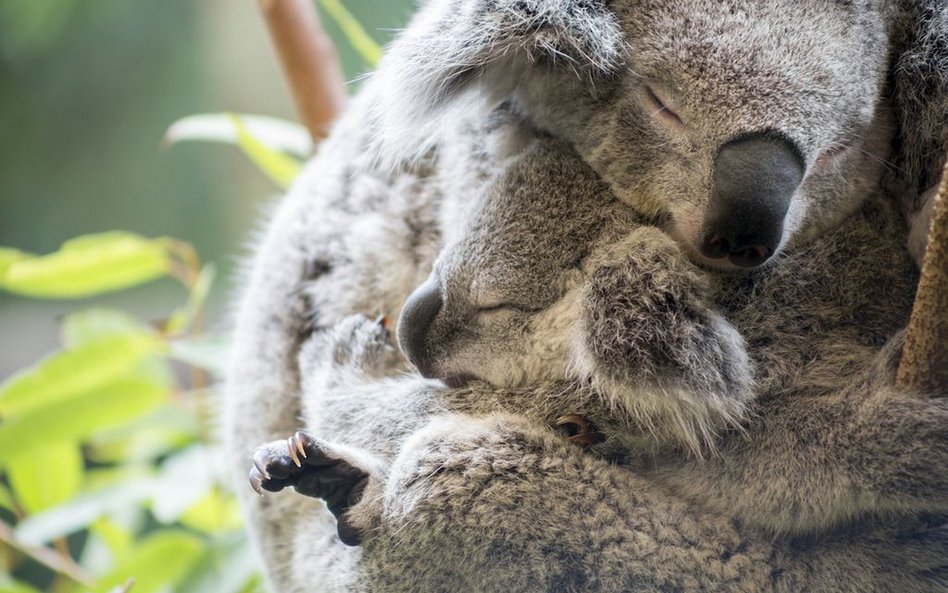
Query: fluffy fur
353	236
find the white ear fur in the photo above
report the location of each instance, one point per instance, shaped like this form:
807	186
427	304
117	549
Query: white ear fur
455	46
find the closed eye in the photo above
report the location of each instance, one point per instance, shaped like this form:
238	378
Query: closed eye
660	108
510	307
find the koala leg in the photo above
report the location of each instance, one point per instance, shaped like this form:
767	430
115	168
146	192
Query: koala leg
337	475
652	341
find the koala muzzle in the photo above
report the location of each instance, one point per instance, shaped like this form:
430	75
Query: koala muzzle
414	325
755	178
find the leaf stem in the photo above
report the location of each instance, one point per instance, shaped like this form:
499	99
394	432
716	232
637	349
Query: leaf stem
59	563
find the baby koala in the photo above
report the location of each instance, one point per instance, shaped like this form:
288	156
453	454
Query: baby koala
558	301
553	279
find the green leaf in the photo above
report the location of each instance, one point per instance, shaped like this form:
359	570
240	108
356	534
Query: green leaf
215	513
8	585
93	324
278	134
127	489
88	266
8	257
197	298
77	370
162	560
208	353
118	539
80	416
185	478
6	499
166	429
228	566
46	477
360	41
276	165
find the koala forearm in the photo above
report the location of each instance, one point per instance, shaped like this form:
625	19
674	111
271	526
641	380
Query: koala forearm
811	463
501	502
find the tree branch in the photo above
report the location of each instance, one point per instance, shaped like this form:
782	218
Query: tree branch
924	364
309	60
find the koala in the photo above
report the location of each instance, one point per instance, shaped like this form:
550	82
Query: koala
649	95
526	291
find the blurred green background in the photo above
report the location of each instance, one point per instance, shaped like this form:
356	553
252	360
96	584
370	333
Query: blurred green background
87	89
107	404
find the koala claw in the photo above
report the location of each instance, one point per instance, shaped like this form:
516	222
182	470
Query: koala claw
313	469
578	430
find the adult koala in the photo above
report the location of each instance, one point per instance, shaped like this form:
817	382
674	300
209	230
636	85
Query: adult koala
357	236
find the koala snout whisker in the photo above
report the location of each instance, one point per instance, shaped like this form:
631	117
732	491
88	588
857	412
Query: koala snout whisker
414	325
755	178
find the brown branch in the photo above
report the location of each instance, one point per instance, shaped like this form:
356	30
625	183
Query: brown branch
309	60
924	364
58	563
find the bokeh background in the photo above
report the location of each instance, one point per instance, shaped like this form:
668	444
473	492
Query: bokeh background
87	90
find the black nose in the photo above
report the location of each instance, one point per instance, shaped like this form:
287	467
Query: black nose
415	323
755	178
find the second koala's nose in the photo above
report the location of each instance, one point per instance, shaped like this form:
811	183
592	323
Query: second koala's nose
414	325
755	178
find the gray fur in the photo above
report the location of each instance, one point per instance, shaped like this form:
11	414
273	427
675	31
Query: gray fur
816	69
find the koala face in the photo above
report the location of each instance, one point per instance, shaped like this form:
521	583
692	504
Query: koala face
751	125
501	302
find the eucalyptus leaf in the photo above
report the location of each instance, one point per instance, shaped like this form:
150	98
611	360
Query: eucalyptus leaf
84	510
78	417
280	168
184	479
160	561
278	134
216	512
228	566
208	353
86	367
46	477
6	499
8	585
88	266
8	257
93	324
355	33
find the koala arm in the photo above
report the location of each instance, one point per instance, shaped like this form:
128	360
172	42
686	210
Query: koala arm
813	461
653	343
500	501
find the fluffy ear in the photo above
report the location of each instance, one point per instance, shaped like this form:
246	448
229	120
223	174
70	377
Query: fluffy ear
453	45
920	98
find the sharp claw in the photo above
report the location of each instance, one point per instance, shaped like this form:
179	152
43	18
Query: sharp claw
261	467
256	482
299	444
291	445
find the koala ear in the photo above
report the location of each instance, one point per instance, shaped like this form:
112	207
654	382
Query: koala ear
453	45
920	98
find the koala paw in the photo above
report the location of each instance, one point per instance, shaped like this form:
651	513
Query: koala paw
313	469
355	343
577	430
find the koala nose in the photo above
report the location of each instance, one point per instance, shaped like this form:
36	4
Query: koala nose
755	178
415	323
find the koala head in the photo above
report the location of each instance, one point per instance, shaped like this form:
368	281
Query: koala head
748	126
501	302
545	283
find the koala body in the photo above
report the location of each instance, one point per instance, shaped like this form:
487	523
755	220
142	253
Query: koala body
649	95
